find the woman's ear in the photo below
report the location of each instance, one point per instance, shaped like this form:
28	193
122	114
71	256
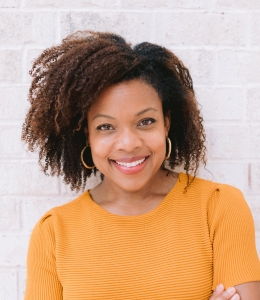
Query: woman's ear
167	122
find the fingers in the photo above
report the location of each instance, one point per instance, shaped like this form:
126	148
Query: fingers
235	297
218	291
230	293
221	294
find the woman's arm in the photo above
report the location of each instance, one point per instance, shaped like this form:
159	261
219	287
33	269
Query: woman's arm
249	290
235	258
42	279
245	291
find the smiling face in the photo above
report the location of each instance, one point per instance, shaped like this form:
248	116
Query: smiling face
127	133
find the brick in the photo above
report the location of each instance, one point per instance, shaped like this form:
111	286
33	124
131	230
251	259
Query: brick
66	191
71	3
34	27
8	3
200	29
8	285
228	142
35	208
30	155
251	67
21	284
13	34
13	103
9	214
10	141
254	145
13	250
175	4
234	4
228	66
10	65
221	103
228	173
31	56
44	28
238	67
254	204
135	27
91	183
200	64
255	29
25	178
253	104
254	178
258	243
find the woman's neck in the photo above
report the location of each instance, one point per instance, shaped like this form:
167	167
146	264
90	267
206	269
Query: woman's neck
135	202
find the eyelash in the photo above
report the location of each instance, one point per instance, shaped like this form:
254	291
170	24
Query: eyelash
101	127
150	120
105	127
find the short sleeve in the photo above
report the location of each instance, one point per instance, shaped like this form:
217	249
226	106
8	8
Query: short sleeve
42	279
232	233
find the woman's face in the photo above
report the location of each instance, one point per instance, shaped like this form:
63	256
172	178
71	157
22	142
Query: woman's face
127	134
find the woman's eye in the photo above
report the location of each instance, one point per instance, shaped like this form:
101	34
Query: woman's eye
146	122
105	127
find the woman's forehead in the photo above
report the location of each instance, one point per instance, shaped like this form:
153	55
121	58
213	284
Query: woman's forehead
133	95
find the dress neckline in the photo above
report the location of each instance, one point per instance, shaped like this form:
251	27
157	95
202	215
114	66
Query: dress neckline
97	209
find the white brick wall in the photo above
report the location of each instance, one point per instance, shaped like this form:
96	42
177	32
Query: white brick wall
219	40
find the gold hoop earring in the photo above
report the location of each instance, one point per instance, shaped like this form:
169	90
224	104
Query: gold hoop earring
82	159
170	148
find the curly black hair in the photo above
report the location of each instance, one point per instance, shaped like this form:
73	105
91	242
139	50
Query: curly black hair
69	77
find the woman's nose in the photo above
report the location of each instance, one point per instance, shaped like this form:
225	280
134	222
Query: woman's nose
128	140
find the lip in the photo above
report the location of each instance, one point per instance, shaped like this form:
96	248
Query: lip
131	170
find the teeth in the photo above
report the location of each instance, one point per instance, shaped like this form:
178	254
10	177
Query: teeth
131	164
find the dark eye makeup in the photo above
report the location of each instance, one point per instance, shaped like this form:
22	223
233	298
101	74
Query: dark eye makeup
146	121
143	122
105	127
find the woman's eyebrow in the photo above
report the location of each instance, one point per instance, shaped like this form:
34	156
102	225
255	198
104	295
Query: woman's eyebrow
138	114
103	116
144	111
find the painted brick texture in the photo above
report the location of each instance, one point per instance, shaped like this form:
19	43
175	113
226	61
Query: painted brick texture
218	40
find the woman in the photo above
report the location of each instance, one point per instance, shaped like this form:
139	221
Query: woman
144	232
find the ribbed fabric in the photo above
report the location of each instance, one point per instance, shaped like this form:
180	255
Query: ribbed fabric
180	250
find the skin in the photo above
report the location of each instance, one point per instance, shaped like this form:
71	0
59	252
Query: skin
123	124
245	291
115	134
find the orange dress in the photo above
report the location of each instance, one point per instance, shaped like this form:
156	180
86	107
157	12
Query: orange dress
180	250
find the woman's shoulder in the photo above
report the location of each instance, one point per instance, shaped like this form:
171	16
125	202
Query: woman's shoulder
72	209
73	206
224	203
228	199
221	192
202	185
213	195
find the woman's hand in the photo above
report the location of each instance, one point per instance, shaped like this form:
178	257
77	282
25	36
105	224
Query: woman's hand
221	294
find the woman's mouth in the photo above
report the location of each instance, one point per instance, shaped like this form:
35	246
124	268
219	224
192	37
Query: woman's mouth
130	166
